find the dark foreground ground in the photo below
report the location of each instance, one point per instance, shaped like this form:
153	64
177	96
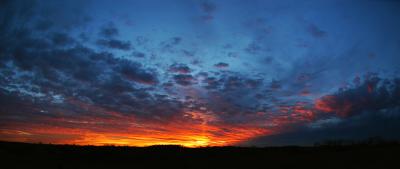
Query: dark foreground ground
41	156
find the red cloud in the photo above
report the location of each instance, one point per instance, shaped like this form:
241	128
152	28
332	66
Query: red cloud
333	104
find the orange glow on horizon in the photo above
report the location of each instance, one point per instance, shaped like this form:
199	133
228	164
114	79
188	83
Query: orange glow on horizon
189	129
134	133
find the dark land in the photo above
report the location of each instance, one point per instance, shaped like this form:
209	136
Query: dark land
334	154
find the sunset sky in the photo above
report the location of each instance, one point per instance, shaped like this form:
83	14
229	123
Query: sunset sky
199	72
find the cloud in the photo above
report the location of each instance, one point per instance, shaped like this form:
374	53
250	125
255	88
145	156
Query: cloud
61	39
109	31
208	8
372	95
114	44
359	127
43	25
316	31
221	65
170	44
184	79
211	83
139	54
179	68
368	108
132	71
231	81
52	74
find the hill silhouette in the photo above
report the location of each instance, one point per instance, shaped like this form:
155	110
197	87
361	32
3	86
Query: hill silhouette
372	153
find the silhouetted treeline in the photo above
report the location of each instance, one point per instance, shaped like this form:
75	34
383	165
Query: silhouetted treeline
372	141
371	153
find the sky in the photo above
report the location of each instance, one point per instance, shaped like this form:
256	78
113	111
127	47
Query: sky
199	72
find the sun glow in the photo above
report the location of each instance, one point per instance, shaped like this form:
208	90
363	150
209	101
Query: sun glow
199	130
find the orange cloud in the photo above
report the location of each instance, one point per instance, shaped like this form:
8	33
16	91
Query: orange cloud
332	104
325	103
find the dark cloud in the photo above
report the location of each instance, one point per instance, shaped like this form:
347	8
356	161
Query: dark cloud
369	108
268	60
384	124
212	83
133	71
114	44
275	85
141	40
371	96
116	85
184	79
170	44
316	31
15	12
109	31
253	83
175	40
230	81
61	39
208	8
138	54
221	65
188	53
253	48
43	25
179	68
63	75
66	70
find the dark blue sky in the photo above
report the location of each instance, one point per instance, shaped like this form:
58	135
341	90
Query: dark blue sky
199	72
